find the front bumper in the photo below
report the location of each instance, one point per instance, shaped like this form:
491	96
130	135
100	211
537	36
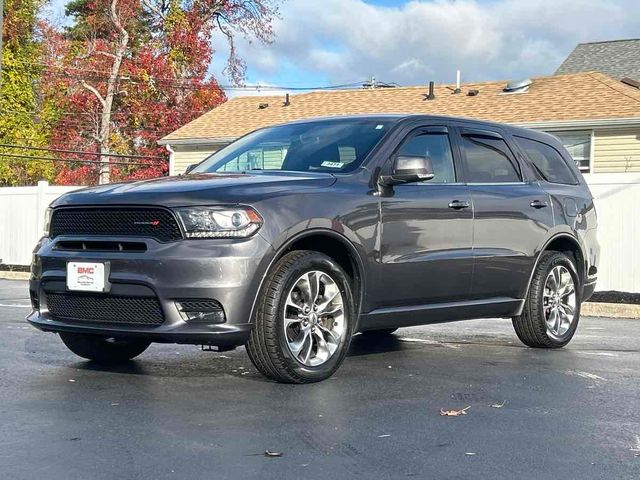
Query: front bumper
588	289
218	335
227	271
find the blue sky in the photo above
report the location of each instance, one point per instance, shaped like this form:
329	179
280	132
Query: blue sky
321	42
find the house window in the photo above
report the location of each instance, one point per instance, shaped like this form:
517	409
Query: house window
266	157
578	145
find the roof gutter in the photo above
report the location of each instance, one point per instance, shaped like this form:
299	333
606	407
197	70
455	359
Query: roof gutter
581	124
546	125
197	141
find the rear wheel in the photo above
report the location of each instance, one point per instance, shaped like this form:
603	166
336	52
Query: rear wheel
103	349
304	319
552	308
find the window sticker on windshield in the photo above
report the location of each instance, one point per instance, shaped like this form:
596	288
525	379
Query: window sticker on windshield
332	164
379	127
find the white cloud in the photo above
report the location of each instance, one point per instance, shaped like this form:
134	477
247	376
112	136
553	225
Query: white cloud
348	40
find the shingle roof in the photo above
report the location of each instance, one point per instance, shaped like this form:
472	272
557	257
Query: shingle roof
583	96
618	58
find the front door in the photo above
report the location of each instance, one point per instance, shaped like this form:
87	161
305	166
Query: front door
426	252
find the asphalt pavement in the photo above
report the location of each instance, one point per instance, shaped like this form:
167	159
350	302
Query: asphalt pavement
180	413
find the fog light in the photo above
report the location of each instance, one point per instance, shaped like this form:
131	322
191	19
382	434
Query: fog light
201	311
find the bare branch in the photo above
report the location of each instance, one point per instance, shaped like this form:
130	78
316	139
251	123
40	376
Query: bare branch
106	54
235	68
116	21
93	90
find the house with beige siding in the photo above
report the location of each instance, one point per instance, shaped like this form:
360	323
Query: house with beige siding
596	116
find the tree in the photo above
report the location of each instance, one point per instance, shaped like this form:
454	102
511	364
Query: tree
137	69
26	116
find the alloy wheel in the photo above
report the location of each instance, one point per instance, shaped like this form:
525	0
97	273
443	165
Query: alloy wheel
314	318
559	301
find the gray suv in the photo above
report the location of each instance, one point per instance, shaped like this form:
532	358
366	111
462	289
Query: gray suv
296	237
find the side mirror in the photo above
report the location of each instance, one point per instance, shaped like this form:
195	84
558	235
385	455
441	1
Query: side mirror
190	167
409	169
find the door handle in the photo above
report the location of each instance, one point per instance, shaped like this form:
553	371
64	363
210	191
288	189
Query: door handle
458	205
538	204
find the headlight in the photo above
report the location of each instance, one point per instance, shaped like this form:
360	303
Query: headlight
219	222
47	221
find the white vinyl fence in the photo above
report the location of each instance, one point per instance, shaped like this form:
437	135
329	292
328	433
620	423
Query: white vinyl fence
617	198
22	219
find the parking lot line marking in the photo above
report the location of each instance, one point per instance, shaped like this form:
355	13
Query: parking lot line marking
636	448
428	342
600	354
590	376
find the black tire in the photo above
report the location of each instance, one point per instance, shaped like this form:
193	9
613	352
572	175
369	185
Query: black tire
103	349
530	326
383	332
267	347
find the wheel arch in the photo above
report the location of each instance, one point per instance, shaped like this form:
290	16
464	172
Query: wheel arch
567	244
570	246
332	244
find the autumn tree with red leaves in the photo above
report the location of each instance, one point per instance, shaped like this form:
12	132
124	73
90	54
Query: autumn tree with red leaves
127	72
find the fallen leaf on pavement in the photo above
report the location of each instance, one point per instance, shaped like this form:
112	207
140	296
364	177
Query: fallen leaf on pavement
268	453
454	413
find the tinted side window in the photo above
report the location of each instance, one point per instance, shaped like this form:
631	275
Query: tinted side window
547	161
487	160
436	146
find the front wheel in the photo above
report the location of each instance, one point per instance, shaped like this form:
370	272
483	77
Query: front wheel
552	308
103	349
304	319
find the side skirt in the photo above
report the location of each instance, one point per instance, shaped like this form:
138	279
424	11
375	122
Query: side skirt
439	313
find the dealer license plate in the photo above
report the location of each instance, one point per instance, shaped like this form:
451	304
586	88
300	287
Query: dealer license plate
85	277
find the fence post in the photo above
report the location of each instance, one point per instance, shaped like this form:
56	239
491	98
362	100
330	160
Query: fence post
41	203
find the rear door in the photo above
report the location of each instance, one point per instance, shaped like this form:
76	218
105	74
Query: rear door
512	214
426	240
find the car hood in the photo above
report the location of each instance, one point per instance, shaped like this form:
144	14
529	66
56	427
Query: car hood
197	189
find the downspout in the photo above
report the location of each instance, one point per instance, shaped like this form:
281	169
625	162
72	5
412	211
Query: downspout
171	158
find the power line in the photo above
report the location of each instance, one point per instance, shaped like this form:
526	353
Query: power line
77	123
146	78
113	114
53	159
79	152
128	75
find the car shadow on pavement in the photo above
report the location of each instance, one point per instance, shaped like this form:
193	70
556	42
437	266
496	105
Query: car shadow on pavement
369	345
131	367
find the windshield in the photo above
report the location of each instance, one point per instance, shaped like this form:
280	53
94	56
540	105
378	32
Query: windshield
333	146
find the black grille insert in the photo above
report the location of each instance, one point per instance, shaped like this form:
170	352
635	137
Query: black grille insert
105	309
103	246
129	222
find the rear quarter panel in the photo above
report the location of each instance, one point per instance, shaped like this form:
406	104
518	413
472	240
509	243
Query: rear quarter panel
574	212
